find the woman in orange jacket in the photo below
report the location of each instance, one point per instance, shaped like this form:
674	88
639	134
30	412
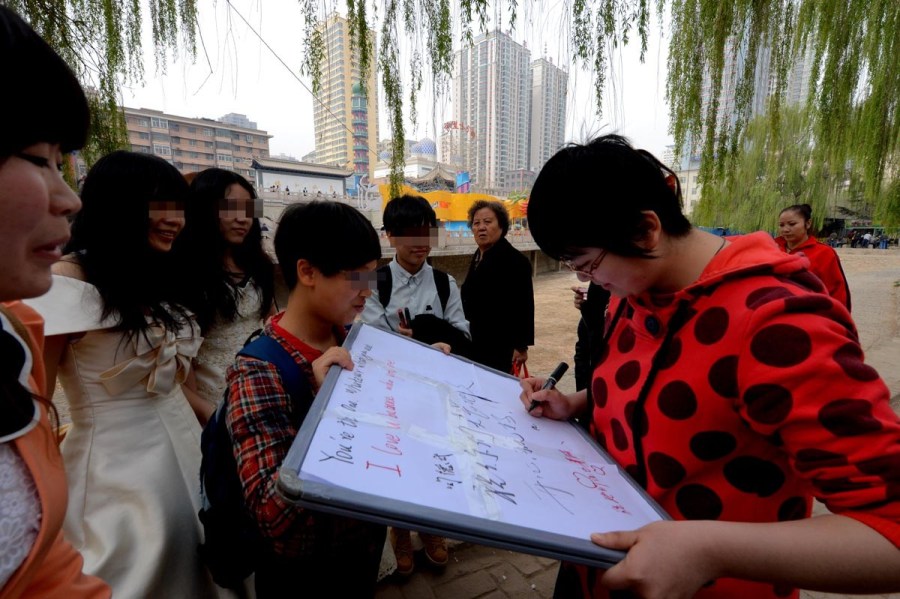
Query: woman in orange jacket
795	225
49	118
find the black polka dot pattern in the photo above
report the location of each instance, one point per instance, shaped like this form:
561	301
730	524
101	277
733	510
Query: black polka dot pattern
754	475
732	425
698	502
677	400
764	295
711	325
712	445
665	470
813	459
781	345
768	404
808	303
886	466
808	280
626	340
849	418
638	425
793	508
672	354
620	438
599	392
850	358
628	374
723	377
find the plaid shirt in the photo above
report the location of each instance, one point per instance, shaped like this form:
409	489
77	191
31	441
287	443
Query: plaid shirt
262	422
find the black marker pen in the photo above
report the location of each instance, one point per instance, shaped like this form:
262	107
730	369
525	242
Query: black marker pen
551	381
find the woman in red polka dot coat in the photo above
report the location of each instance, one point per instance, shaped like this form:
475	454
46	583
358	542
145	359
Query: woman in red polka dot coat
732	389
794	226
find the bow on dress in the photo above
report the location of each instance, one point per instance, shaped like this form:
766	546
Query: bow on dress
162	358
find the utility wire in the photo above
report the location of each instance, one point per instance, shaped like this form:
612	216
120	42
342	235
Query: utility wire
294	75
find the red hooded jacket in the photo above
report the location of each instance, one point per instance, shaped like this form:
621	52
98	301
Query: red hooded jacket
743	396
825	264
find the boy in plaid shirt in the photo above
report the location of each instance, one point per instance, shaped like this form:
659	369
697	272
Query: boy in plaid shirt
328	253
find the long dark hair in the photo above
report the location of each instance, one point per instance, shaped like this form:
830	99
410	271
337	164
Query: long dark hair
208	288
110	239
50	108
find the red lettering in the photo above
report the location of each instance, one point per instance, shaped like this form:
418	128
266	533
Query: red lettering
391	468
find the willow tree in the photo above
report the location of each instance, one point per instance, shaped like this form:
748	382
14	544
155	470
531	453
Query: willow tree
854	93
101	41
770	173
853	105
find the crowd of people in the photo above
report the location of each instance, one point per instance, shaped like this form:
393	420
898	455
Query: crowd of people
723	373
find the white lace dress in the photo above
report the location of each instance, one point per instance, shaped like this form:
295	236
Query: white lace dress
132	454
223	341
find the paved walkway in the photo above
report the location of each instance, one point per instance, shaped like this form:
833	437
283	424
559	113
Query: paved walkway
484	572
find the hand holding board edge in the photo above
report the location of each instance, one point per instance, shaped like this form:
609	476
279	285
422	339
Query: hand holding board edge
436	443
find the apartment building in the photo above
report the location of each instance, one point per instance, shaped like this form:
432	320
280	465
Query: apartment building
195	144
549	88
345	112
492	97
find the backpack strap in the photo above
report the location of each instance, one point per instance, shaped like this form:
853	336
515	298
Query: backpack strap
385	284
442	282
269	350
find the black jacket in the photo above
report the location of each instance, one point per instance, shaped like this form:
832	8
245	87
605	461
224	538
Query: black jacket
498	299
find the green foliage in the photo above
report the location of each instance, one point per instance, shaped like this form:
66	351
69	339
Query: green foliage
772	172
853	106
853	110
101	41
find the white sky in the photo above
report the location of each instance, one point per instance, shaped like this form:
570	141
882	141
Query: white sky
235	72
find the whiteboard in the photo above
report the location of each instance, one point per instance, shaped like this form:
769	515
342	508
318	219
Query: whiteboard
418	439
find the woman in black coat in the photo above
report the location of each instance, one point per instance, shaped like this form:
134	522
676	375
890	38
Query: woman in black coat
497	296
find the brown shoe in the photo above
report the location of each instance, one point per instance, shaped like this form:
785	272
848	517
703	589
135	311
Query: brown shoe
403	551
435	549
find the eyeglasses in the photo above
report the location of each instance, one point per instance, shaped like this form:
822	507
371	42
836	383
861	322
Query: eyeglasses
589	273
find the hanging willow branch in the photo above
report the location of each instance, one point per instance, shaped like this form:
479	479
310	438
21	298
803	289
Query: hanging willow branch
101	41
853	107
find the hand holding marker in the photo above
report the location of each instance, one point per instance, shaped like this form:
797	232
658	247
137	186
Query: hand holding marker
551	381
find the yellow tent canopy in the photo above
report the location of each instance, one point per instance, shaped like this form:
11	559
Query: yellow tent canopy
449	206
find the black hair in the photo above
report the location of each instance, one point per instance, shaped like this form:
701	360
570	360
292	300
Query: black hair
49	105
407	211
593	196
110	239
207	287
497	208
330	235
804	210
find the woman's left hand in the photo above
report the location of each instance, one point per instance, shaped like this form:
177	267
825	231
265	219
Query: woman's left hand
665	560
520	356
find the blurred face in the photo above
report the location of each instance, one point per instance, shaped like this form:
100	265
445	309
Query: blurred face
34	203
341	298
793	227
413	246
166	222
486	228
236	214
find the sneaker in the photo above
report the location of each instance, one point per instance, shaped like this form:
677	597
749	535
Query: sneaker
403	551
435	549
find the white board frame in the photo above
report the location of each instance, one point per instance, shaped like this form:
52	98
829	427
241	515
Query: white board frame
313	493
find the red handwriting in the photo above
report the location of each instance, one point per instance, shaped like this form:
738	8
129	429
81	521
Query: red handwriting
395	469
588	475
391	445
